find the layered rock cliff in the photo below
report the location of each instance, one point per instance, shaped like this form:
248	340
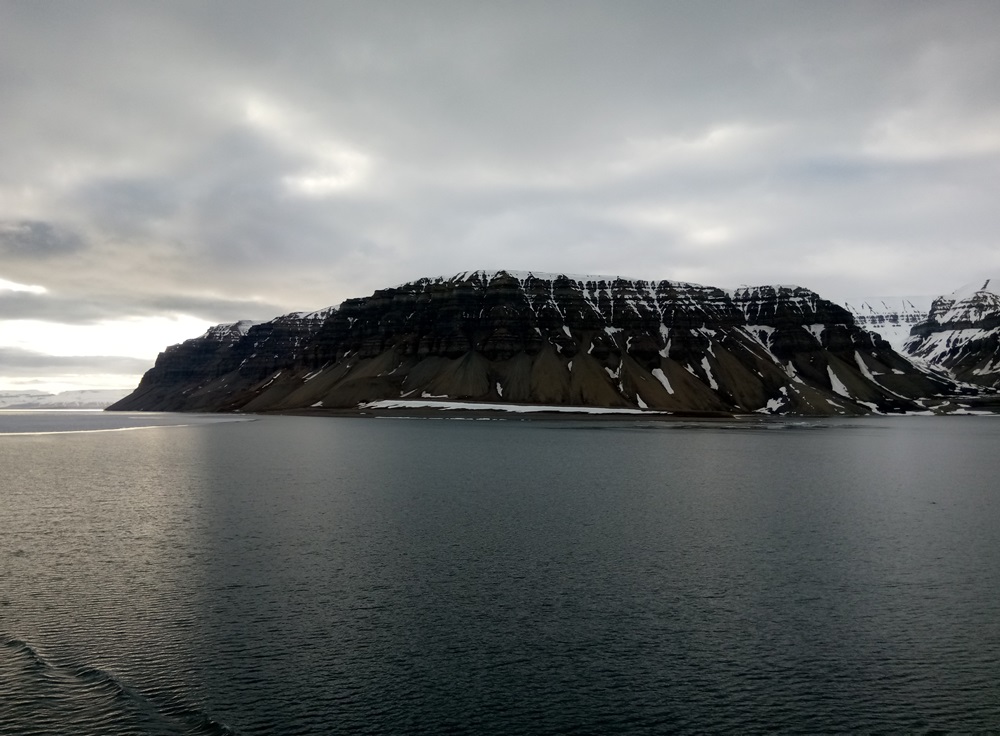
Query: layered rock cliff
551	339
961	335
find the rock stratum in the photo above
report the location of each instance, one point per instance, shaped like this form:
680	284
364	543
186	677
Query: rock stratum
524	338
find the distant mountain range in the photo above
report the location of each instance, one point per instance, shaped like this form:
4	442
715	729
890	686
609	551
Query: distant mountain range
509	337
82	399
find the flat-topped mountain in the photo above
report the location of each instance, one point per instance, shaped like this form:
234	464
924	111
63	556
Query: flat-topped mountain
518	337
961	335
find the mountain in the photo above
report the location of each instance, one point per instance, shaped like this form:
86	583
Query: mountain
527	338
82	399
892	317
961	335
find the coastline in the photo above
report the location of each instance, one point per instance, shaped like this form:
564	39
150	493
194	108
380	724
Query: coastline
539	414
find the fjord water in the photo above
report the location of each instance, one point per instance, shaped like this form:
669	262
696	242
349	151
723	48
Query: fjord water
302	575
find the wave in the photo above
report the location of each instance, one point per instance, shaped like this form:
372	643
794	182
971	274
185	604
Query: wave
64	696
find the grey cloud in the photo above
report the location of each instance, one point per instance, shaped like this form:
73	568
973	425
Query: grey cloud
223	207
17	361
92	308
499	134
26	305
124	207
212	309
32	239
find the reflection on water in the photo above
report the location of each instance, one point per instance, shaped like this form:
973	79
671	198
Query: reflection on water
333	575
38	422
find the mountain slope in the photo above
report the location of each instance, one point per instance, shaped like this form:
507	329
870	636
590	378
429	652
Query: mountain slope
550	339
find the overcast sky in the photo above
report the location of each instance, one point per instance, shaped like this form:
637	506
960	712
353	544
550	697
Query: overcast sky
167	165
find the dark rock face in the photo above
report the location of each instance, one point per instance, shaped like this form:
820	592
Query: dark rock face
213	372
961	336
525	338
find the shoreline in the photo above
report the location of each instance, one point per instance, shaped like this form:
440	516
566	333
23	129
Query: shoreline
568	415
540	414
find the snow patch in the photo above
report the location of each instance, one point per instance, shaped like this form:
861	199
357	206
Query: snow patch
271	380
660	376
512	408
773	405
862	366
869	405
816	331
309	376
665	335
838	385
708	372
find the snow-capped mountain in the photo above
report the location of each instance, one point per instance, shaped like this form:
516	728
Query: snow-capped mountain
520	337
82	399
962	335
229	332
892	317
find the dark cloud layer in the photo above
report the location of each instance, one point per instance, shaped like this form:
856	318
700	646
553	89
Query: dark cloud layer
208	158
29	239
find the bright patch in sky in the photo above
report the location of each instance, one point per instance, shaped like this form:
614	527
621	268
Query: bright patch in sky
6	285
138	337
56	383
331	167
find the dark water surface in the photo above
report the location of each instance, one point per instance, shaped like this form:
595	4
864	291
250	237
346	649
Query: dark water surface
307	576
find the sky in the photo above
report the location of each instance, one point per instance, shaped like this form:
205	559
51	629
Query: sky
169	165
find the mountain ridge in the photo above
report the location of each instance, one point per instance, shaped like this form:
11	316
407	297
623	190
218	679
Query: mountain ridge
515	336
